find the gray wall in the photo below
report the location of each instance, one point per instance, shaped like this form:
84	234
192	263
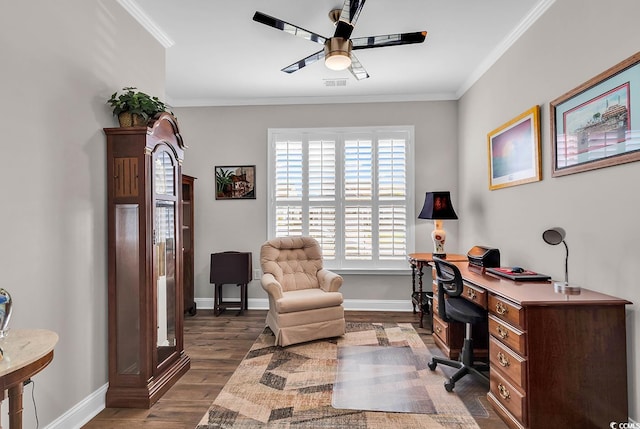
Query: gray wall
574	41
238	136
60	63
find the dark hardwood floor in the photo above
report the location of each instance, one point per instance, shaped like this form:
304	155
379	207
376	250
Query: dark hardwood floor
216	345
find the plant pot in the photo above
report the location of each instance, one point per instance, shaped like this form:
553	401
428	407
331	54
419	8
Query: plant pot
128	119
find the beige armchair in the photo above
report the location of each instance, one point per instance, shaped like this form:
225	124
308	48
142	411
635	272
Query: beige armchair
304	302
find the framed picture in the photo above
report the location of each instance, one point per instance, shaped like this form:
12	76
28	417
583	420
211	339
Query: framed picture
235	182
514	151
598	123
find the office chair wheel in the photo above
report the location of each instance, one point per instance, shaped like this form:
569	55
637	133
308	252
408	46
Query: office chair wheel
449	385
432	365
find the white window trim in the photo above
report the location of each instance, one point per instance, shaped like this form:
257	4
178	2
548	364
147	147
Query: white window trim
395	267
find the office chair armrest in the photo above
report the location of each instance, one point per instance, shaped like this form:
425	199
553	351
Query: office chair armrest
271	285
329	281
442	314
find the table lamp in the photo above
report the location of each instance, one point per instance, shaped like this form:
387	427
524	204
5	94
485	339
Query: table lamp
438	207
556	236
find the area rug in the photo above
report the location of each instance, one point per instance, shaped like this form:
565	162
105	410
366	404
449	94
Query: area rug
292	387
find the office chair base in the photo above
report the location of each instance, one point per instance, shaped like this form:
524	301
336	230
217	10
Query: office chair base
463	369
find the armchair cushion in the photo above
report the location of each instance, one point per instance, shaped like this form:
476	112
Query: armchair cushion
307	299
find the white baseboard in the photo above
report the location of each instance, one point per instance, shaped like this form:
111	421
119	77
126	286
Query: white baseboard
349	304
82	412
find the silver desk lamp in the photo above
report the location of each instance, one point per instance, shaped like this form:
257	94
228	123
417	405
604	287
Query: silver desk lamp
556	236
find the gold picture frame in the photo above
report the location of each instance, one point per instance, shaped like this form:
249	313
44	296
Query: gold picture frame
514	151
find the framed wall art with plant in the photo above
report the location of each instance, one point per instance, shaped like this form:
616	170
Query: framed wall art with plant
235	182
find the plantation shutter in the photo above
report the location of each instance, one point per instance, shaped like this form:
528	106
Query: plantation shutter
350	189
322	195
358	194
288	188
392	193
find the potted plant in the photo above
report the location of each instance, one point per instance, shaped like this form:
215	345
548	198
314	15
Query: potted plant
223	181
134	108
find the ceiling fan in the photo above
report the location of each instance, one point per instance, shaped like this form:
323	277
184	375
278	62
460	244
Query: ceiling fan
337	51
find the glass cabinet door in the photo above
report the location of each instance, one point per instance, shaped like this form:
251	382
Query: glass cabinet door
127	310
165	227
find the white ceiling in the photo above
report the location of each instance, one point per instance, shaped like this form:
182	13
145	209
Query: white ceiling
217	55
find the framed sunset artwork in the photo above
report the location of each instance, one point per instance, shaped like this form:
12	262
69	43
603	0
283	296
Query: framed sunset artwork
514	151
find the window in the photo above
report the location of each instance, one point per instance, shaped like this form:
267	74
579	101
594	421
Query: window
349	188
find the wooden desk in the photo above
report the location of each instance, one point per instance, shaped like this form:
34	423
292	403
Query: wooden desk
418	261
557	361
26	353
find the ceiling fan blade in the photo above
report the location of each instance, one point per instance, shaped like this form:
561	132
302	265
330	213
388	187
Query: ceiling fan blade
304	62
389	40
350	12
288	28
356	68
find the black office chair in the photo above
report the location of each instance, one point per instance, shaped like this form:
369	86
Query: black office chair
454	308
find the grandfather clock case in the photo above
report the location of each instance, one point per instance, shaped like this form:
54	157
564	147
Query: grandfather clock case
144	185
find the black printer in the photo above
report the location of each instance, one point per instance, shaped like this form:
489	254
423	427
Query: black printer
484	257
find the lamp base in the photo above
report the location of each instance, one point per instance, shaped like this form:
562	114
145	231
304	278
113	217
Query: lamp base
564	288
439	236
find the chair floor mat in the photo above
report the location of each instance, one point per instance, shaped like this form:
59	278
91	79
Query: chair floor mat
377	378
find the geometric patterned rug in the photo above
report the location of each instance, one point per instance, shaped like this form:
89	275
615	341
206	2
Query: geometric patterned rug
293	387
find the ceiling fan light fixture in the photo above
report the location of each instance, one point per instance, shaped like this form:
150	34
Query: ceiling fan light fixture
337	53
337	49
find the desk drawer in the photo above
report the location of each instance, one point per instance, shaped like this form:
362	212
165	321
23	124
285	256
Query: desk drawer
508	363
441	329
507	334
475	295
507	311
510	397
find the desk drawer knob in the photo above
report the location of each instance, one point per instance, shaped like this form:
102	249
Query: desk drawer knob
503	360
504	392
502	332
438	329
501	309
471	294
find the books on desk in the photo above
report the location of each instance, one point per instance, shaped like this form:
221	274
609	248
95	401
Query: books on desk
517	275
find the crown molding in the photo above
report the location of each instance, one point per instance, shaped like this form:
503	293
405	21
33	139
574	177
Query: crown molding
536	12
137	13
395	98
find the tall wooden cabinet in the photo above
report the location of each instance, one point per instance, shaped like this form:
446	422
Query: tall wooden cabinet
187	244
144	183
